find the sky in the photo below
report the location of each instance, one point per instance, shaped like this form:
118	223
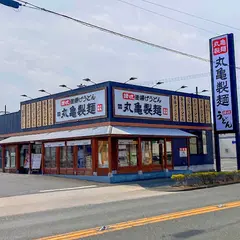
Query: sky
42	51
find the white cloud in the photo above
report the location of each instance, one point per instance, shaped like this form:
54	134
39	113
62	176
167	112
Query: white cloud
42	51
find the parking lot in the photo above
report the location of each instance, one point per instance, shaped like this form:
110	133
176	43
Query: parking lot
18	184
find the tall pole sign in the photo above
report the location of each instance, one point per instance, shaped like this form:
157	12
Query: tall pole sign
224	92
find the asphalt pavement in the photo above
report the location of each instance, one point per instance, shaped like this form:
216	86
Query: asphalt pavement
222	225
111	210
23	184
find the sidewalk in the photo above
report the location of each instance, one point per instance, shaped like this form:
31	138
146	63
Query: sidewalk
67	199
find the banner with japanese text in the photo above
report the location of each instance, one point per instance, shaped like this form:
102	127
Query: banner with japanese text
175	109
189	109
182	109
195	110
221	84
28	116
23	116
136	104
34	114
39	114
83	106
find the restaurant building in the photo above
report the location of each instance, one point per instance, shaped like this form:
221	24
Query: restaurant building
113	131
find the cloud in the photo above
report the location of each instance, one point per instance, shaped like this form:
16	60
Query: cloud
39	50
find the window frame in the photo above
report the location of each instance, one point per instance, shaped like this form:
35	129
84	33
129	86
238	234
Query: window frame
51	157
129	152
152	165
107	151
9	150
201	143
84	152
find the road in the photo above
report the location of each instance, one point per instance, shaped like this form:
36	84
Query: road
50	211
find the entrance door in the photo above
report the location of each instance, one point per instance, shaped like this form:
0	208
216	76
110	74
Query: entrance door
24	158
103	159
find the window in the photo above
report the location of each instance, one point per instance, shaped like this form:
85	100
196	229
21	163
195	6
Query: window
10	157
70	154
50	157
169	152
198	144
146	153
63	157
66	157
103	161
127	153
85	156
193	145
37	149
152	152
204	141
24	156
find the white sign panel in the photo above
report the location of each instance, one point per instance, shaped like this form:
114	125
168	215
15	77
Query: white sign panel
141	105
221	83
182	152
54	144
36	161
82	106
79	143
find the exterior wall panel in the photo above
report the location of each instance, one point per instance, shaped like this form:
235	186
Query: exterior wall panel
10	123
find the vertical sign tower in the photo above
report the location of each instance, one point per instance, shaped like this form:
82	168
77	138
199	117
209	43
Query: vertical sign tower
224	92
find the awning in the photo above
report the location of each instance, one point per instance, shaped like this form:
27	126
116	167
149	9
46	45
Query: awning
98	131
143	131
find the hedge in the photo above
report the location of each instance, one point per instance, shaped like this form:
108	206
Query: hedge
206	178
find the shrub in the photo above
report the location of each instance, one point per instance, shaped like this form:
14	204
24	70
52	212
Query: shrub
206	178
179	178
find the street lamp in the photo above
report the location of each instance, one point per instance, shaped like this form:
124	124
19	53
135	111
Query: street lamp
81	85
26	96
89	80
131	79
44	91
158	83
65	86
182	87
203	91
11	3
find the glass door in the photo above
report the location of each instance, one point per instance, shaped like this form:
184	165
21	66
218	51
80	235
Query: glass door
103	158
103	154
169	161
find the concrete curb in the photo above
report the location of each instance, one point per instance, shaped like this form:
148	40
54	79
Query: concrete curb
177	189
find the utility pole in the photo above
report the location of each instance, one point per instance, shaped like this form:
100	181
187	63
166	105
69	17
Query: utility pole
196	90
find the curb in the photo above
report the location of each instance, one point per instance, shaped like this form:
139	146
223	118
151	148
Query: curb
202	187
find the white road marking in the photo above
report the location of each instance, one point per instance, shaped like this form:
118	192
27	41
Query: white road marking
66	189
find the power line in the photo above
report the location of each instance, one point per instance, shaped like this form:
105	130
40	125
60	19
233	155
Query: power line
117	33
181	78
191	15
165	16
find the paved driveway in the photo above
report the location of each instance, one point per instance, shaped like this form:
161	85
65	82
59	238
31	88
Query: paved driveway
20	184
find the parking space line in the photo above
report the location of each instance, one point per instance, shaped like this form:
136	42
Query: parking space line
66	189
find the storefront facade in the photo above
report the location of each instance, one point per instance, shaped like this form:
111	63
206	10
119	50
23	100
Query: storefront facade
110	129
